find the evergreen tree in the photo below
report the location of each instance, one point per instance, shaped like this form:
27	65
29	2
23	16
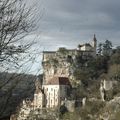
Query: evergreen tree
100	48
107	48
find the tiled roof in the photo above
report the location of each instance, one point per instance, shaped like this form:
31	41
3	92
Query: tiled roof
86	44
59	81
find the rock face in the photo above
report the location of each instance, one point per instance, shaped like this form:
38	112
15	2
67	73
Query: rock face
112	110
84	102
108	85
70	105
60	63
102	91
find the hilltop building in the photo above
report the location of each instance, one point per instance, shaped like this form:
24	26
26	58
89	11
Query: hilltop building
57	63
58	69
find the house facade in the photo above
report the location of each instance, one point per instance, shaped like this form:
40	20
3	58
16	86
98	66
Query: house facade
56	91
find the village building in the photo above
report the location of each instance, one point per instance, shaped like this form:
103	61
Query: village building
39	96
56	91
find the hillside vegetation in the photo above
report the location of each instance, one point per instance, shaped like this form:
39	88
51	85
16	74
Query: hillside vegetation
106	66
13	89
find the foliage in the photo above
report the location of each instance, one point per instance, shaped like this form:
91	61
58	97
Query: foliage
71	116
54	62
109	95
94	69
63	51
88	112
100	48
63	109
81	75
116	90
117	115
114	71
107	47
92	107
115	58
80	92
19	87
17	20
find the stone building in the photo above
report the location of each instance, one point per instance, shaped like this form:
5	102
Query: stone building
56	91
39	96
58	63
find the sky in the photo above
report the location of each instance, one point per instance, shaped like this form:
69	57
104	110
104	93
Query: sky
70	22
67	23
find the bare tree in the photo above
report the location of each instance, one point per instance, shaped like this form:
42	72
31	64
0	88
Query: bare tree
16	21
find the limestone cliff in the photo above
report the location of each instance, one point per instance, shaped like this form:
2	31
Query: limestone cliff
63	61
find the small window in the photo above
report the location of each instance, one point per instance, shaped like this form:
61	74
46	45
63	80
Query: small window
22	114
51	89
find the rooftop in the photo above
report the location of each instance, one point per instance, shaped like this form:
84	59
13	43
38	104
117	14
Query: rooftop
49	51
58	81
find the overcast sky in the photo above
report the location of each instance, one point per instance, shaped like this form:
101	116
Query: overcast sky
70	22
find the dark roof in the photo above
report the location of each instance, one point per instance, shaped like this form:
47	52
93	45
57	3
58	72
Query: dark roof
59	81
86	44
49	51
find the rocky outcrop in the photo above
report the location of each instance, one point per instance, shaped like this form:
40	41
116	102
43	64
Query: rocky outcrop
111	110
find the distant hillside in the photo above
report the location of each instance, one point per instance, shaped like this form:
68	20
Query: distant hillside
13	89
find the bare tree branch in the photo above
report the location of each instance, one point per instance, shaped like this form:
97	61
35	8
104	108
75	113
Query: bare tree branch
16	21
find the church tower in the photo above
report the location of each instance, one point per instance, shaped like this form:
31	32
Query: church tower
94	43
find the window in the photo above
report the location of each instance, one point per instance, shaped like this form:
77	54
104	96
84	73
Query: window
22	114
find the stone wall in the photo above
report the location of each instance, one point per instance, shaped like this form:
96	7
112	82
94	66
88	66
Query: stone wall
70	105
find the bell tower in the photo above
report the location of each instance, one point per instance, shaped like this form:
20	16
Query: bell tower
94	43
